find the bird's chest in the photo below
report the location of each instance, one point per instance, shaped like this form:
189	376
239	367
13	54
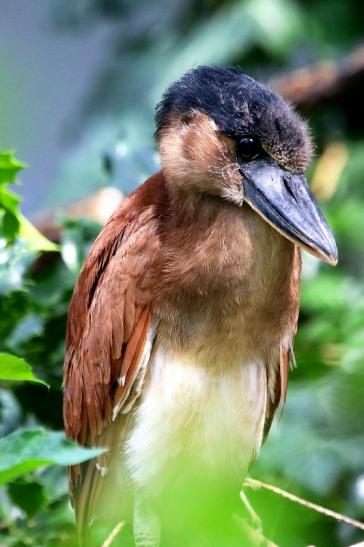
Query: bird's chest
190	415
227	288
219	318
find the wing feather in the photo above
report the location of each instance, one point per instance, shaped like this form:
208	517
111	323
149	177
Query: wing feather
108	336
283	359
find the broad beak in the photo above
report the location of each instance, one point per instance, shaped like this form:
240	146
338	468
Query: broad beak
285	200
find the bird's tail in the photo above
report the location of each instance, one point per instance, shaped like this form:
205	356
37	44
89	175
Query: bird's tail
98	491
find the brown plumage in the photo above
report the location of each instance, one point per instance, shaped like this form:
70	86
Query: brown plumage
187	295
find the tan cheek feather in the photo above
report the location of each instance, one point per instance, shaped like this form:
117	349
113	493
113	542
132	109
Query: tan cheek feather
197	157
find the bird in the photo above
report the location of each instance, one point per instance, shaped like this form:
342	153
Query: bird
181	326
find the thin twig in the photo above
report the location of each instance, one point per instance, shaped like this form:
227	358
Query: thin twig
253	483
254	535
114	532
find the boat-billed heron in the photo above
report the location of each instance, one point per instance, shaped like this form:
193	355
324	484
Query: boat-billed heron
180	330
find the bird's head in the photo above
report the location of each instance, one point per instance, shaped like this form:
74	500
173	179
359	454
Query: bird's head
222	133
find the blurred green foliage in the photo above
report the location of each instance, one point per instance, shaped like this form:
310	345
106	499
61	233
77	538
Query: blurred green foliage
26	451
9	201
15	369
316	449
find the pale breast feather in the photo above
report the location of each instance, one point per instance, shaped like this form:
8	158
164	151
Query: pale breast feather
190	409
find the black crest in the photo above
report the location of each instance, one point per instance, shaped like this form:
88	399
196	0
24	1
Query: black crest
233	100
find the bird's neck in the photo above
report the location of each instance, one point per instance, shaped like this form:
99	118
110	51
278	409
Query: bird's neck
192	208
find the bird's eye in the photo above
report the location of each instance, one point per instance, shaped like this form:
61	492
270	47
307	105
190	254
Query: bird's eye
248	148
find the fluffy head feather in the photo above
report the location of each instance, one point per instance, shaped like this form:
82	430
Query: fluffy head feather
240	107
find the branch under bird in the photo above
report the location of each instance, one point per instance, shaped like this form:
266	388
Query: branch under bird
180	330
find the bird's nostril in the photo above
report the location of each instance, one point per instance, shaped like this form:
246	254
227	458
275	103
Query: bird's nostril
288	187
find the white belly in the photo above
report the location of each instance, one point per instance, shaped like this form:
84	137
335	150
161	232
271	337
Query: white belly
193	413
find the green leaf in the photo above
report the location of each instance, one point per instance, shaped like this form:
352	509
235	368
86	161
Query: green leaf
29	449
14	368
9	225
29	495
9	200
12	222
9	214
36	241
9	167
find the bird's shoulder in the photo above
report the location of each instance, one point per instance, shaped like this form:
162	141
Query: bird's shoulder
109	312
109	335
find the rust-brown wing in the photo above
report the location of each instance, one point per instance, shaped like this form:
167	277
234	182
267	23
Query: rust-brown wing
107	333
277	373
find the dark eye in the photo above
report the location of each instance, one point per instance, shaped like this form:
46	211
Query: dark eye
248	148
